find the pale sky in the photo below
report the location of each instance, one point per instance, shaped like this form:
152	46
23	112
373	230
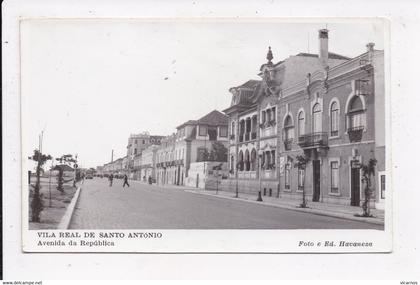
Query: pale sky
90	84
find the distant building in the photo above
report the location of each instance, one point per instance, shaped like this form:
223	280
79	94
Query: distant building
148	162
136	144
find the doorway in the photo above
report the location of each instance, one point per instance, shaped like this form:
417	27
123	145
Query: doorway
317	180
179	175
355	186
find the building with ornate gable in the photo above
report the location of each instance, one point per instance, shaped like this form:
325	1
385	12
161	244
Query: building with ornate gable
327	108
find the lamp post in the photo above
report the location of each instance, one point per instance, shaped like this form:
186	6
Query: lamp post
259	199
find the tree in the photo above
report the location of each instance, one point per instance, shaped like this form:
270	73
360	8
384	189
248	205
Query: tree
368	170
66	159
218	152
301	161
36	204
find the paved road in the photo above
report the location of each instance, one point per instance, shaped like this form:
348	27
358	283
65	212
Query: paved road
151	207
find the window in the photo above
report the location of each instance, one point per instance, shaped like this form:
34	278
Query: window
135	151
201	154
289	133
356	114
334	119
135	141
288	129
273	159
223	132
267	160
287	176
143	141
382	186
301	178
268	112
301	123
248	125
316	118
253	159
232	131
247	162
334	177
273	111
202	130
232	164
263	117
241	161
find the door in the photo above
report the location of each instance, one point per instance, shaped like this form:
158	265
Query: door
317	180
355	187
196	181
179	174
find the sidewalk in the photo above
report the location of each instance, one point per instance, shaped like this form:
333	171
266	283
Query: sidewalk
317	208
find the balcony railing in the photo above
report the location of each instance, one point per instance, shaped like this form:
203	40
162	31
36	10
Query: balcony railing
355	134
288	144
319	139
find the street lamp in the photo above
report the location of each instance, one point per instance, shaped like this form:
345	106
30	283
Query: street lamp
259	199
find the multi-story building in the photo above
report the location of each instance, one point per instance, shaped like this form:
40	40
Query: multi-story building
136	144
253	120
335	120
136	171
327	108
165	170
148	163
192	142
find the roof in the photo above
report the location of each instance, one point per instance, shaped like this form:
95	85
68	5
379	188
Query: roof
250	84
64	167
214	118
331	55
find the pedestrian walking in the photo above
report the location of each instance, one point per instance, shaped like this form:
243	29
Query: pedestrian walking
126	181
111	177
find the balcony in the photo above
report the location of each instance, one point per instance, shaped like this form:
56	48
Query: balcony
355	134
247	137
288	144
319	139
253	136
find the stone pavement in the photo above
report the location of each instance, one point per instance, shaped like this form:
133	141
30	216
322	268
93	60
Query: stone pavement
144	206
319	208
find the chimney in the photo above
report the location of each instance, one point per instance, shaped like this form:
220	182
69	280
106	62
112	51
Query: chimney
370	50
370	46
323	47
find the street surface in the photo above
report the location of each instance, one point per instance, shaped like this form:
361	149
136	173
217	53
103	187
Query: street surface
142	206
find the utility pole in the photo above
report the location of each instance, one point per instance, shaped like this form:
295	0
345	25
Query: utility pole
259	177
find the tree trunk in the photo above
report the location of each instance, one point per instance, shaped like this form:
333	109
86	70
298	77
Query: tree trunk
36	204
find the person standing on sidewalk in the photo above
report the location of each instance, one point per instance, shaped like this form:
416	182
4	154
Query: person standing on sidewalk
126	181
111	177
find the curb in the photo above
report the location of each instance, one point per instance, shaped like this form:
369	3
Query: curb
307	210
65	220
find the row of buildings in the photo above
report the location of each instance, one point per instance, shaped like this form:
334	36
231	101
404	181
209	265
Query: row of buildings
182	158
325	107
